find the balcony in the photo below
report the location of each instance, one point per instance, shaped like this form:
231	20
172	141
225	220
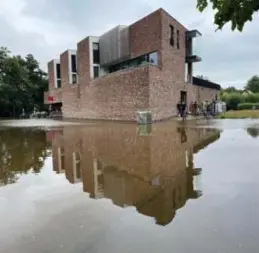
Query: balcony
193	58
193	46
193	34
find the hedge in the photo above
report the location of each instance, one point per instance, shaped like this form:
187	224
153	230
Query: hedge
248	106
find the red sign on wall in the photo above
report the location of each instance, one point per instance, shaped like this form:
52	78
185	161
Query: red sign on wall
51	99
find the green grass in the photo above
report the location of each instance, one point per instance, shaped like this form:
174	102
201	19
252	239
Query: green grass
243	114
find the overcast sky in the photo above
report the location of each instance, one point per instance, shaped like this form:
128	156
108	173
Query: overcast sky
46	28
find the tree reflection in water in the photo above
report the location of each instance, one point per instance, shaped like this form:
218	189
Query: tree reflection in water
21	151
253	131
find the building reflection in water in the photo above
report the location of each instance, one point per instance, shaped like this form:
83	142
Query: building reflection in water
149	167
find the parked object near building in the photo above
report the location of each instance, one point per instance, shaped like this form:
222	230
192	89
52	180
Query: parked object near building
146	66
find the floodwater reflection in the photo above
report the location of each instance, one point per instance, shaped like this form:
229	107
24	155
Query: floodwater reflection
21	151
149	167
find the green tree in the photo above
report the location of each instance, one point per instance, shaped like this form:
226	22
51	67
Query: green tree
203	77
237	12
232	100
231	89
22	84
253	84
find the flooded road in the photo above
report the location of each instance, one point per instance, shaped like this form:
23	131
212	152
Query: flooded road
116	187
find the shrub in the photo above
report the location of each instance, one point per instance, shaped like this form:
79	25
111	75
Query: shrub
248	106
233	100
251	98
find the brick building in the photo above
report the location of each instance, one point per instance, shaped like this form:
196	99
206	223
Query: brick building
146	66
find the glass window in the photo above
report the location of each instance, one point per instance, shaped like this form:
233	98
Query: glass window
153	58
96	53
73	63
58	71
96	71
96	56
58	83
95	46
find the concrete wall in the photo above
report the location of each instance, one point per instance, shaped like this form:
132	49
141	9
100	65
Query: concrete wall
114	46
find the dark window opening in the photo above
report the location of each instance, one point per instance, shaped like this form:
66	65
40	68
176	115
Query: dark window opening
58	83
96	53
151	58
178	39
183	97
78	171
171	35
96	71
58	71
74	78
73	63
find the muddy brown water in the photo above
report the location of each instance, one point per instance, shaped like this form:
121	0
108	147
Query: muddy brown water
117	187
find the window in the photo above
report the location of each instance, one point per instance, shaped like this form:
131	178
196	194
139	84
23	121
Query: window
172	35
58	71
74	78
178	39
96	53
73	63
58	83
153	58
96	71
58	76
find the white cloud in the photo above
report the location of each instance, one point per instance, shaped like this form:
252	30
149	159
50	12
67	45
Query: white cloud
46	28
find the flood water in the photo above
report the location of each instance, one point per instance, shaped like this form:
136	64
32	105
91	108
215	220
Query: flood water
117	187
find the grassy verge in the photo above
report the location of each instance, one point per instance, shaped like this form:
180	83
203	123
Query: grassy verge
243	114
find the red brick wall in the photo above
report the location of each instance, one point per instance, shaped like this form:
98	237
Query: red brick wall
205	94
117	96
55	93
64	69
51	74
83	62
145	35
167	82
70	93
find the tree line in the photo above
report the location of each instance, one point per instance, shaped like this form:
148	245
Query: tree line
247	98
22	84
